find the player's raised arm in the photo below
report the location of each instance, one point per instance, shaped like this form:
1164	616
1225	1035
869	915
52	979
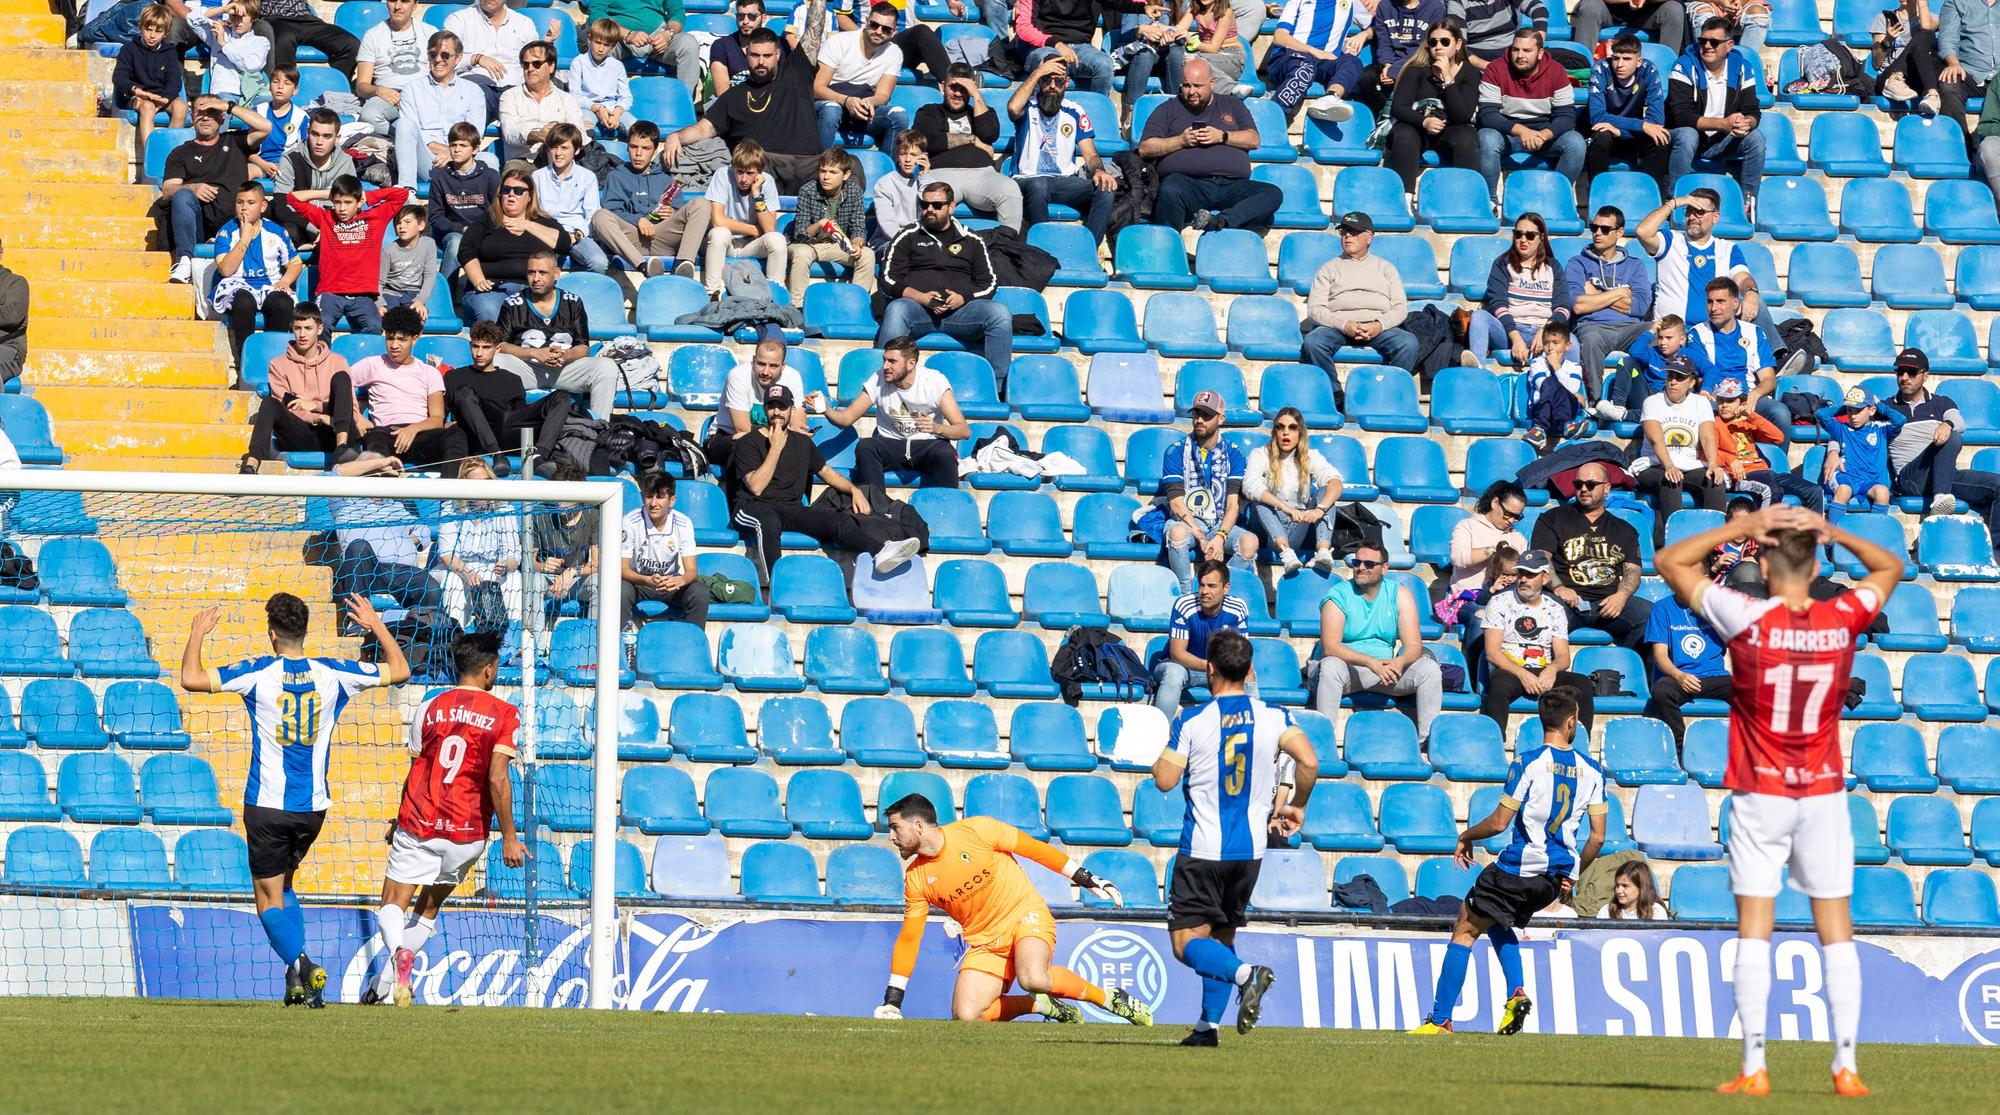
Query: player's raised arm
1681	564
194	672
500	789
1885	568
1290	817
395	667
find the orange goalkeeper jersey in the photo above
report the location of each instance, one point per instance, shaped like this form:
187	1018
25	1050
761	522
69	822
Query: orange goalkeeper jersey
975	880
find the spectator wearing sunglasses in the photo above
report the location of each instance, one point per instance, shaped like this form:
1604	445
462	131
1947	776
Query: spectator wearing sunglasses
1525	290
430	106
1526	634
1923	454
1689	258
1613	295
937	277
728	65
532	109
1495	521
493	35
1370	642
1595	556
1436	106
1713	112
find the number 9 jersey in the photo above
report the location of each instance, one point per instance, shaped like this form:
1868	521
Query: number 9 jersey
454	738
1790	671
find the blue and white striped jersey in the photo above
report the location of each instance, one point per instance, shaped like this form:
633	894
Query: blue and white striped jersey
1230	749
1551	788
293	704
1323	24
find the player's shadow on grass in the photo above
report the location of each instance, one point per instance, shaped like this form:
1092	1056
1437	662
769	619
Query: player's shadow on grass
1618	1085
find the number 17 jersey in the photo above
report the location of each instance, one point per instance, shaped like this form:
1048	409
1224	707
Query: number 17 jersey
453	740
1790	671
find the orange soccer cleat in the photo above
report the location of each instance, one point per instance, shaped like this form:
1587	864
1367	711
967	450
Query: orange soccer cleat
1848	1083
1755	1084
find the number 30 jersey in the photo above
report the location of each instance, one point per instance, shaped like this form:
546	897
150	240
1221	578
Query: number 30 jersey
294	704
1790	671
1230	749
454	738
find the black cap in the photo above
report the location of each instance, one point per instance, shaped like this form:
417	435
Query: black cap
1913	360
778	395
1356	221
1678	365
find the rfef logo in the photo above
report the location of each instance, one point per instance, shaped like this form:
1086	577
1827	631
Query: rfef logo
1120	958
1979	1004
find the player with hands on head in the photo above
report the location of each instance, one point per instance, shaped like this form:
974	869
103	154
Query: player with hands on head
968	869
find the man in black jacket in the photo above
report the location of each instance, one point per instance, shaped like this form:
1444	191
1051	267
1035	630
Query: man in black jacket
1712	111
1923	456
937	276
961	134
491	403
1596	561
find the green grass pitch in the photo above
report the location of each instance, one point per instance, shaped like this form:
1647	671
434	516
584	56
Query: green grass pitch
99	1056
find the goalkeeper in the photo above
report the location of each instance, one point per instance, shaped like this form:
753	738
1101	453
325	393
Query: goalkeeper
967	869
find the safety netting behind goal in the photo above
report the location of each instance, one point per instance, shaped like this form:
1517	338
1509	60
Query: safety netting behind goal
121	795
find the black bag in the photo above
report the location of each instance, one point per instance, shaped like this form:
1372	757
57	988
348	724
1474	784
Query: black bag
16	571
1354	524
578	444
1798	335
487	608
426	636
1094	656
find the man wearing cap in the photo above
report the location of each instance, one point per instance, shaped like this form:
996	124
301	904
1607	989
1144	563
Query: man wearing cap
937	277
774	467
917	420
1526	638
1369	642
198	186
1055	152
1923	456
1201	489
1595	557
1357	299
1738	432
1200	143
1732	348
1677	427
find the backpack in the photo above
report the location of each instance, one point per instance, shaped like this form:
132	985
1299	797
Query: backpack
16	571
1829	67
1353	525
1798	335
578	442
1094	656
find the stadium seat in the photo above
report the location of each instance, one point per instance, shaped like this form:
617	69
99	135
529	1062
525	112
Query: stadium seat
1157	816
1975	618
879	732
1373	190
780	872
1232	260
708	728
928	663
673	655
180	790
1889	758
1489	459
78	573
1009	798
43	856
1291	879
573	645
809	588
1415	263
1909	277
1097	321
1382	745
603	303
844	660
628	869
1671	822
973	384
796	731
826	805
695	866
1845	145
1181	325
863	875
1968	759
970	594
1384	399
1630	700
1059	596
663	299
61	714
1127	388
1012	665
1022	302
1781	149
1333	144
1951	898
1388	876
1956	548
1302	254
1534	190
1927	831
1026	524
144	716
1468	748
1795	23
1221	377
1986	831
1942	687
1913	621
1929	148
98	789
1276	665
1084	809
953	520
1879	211
1075	251
1138	884
1639	751
1306	388
1151	257
696	374
1878	700
1795	208
1882	896
840	311
963	735
1469	401
563	796
742	801
1430	532
1953	344
662	100
1454	199
758	657
1441	878
1413	470
1264	329
1340	819
24	789
1700	892
1961	212
1880	529
1048	736
1045	389
1705	751
1416	818
214	860
109	642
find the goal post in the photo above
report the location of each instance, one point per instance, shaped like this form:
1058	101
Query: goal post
184	519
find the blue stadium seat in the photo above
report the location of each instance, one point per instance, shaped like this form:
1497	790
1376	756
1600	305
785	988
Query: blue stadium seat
1221	377
1845	145
743	801
662	100
1388	876
563	796
1384	399
1299	206
796	731
1138	884
1927	831
1968	758
705	505
1103	530
1182	325
1859	339
1413	470
1045	389
1430	532
971	594
573	646
953	519
696	373
1961	212
212	860
1942	687
144	716
1006	797
1145	454
1882	896
1454	199
781	872
880	732
708	728
1075	251
864	874
109	642
928	663
1539	191
674	655
664	299
1264	329
1929	148
1489	459
559	728
1084	809
1340	819
1986	831
1951	898
43	856
1302	254
1022	302
1048	735
1291	878
1879	700
844	660
973	384
603	303
1416	818
1953	344
356	16
628	869
1910	277
1956	548
1889	758
1382	745
1878	210
1151	257
1345	454
1127	388
693	866
963	735
1373	190
1026	524
24	789
758	658
61	714
78	572
1013	664
1468	748
1671	822
1705	751
27	425
1339	144
1879	529
736	567
1441	878
1157	816
809	588
1781	148
98	789
1795	208
840	311
1469	401
1700	892
1632	687
1913	621
1277	667
159	144
1795	23
826	805
1304	387
1232	260
1415	263
1975	618
1638	751
1140	597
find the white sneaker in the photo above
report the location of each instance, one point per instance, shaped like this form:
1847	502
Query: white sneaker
1331	109
1943	504
183	271
655	267
1609	411
894	555
1292	563
1323	561
1795	363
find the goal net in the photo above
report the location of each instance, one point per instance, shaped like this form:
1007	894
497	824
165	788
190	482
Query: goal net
121	795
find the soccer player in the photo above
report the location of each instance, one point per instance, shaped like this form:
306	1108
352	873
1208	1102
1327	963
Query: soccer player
1227	751
461	741
294	702
1790	657
967	869
1548	792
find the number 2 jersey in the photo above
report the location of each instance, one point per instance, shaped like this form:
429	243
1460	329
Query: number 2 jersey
1790	671
1551	790
293	705
453	740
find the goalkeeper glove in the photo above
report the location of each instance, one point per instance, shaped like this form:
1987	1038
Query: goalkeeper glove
1098	885
892	1003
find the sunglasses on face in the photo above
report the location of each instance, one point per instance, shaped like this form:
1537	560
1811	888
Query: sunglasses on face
937	205
1907	373
514	191
1711	44
444	55
1286	426
1508	513
1526	234
1364	563
1591	485
1604	230
1692	212
537	63
885	28
1442	40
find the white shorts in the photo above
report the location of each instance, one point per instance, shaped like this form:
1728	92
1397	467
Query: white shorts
437	860
1811	835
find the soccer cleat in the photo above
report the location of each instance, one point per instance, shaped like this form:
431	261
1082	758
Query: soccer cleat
405	960
1514	1014
295	991
1429	1027
1848	1083
1250	998
372	997
1207	1039
1128	1008
1056	1010
1756	1084
312	978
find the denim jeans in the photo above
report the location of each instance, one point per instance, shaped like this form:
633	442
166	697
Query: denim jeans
485	306
1487	333
186	223
1141	66
1566	152
982	325
1075	191
835	126
1285	534
359	571
1180	558
1239	202
1091	72
998	15
1745	151
357	310
1397	347
1293	75
586	255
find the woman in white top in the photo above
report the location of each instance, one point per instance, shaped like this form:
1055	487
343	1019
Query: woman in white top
1292	490
1633	895
1495	519
479	547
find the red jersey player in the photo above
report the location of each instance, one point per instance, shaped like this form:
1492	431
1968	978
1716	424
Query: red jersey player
461	740
1790	659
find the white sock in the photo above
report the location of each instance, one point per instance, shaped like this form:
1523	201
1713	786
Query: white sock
416	935
1242	974
1203	1024
389	922
1753	996
1843	999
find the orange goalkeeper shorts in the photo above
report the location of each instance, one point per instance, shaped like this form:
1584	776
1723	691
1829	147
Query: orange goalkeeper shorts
996	958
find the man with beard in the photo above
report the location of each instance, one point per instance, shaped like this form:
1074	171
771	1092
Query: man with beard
1596	556
1055	152
1200	144
936	276
1526	635
773	106
1528	105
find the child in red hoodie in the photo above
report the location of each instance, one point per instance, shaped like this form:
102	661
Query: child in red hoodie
350	250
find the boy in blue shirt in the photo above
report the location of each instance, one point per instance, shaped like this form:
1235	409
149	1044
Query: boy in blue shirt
1857	456
273	124
1641	371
